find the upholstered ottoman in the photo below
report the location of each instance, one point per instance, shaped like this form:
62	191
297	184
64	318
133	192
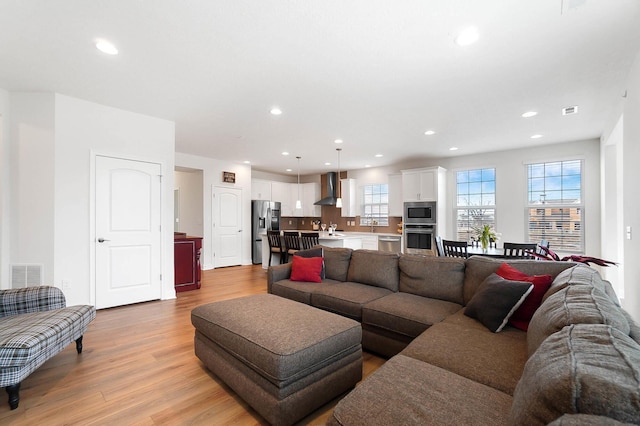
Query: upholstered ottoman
284	358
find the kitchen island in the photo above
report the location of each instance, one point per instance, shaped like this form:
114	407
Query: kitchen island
353	240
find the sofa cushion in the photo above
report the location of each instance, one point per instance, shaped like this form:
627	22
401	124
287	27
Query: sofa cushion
308	269
464	346
541	283
582	369
406	313
405	391
477	268
575	304
496	300
336	262
375	268
581	275
430	276
346	298
585	420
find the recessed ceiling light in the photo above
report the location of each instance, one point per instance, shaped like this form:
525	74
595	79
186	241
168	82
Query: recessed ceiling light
467	36
379	155
429	132
276	111
453	148
367	165
106	47
529	114
285	153
327	164
338	141
247	162
536	136
289	170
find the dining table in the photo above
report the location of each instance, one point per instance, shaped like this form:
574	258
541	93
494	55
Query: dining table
490	251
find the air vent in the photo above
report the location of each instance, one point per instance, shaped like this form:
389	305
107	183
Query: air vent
26	276
570	110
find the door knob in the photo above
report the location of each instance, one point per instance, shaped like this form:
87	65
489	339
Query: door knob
102	240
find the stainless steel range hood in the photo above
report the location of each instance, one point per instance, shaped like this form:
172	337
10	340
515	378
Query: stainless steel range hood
330	199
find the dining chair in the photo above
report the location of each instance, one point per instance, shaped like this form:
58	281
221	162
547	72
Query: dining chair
291	243
309	239
439	247
455	248
276	246
519	250
543	243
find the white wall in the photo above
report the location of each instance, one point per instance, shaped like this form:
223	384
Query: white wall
5	188
631	200
212	176
511	184
53	144
32	197
190	204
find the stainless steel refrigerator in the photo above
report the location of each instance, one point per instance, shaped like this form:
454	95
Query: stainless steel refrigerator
265	216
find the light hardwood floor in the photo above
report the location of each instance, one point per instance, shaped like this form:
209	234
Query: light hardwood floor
138	368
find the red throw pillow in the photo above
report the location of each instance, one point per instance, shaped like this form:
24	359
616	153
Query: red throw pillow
306	269
541	283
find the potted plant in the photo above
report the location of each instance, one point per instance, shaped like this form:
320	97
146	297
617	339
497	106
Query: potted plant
485	235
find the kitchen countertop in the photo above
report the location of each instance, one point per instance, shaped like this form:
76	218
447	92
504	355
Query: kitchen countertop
346	235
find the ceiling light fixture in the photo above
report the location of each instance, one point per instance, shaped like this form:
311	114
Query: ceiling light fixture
285	153
289	170
276	111
529	114
247	162
378	155
298	202
453	148
367	165
327	164
338	141
339	198
536	136
106	47
467	36
429	132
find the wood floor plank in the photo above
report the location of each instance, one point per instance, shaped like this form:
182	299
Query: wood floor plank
138	367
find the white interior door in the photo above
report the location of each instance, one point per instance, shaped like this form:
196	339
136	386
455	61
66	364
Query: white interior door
128	236
227	226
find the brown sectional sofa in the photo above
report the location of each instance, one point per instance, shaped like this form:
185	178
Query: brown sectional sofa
579	362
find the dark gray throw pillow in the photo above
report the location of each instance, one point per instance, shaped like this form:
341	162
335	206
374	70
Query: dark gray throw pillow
313	252
495	300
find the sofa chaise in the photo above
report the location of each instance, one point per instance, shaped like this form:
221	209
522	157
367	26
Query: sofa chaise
461	352
35	325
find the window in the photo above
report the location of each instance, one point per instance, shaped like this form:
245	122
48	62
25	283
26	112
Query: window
476	201
555	207
375	205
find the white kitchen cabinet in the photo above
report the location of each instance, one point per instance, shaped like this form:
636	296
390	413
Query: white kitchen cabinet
349	198
370	242
260	189
353	243
395	195
281	191
311	194
422	184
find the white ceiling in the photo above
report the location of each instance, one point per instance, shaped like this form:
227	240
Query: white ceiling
375	73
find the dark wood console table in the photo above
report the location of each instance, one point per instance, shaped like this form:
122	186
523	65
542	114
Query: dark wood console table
186	253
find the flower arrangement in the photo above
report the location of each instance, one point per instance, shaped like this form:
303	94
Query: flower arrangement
485	235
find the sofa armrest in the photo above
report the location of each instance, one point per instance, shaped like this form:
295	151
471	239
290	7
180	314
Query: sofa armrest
30	299
276	273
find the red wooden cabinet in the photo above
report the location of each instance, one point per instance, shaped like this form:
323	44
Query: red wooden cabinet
186	253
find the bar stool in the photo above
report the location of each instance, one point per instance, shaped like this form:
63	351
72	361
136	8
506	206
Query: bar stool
309	239
275	246
291	243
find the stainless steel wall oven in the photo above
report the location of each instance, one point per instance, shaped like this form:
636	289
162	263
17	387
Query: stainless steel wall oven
419	227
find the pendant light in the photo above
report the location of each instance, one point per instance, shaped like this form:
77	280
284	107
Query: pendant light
339	192
298	202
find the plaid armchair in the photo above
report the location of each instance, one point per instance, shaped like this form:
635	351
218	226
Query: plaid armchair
35	325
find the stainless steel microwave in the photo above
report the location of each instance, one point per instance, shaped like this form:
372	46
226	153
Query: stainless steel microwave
419	213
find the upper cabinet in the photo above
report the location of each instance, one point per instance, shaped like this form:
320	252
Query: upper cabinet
311	194
283	193
423	184
260	189
349	198
395	195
